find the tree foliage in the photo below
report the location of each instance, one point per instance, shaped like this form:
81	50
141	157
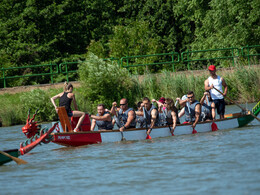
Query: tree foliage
39	31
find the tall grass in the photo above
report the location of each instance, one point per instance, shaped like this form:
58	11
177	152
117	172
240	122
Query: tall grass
243	86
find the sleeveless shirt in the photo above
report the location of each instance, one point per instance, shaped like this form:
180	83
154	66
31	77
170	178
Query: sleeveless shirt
65	101
217	83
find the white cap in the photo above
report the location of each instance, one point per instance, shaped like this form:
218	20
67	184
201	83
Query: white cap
184	97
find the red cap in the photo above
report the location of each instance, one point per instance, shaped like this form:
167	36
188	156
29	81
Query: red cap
162	100
212	67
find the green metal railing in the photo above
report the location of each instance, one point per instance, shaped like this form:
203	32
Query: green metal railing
189	53
113	60
69	68
132	61
53	70
245	51
172	56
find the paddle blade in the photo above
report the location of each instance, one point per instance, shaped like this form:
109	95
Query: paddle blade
17	160
214	127
148	137
194	131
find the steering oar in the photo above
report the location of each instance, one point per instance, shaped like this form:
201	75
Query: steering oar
238	105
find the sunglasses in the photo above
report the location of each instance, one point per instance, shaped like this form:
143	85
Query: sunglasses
122	104
191	97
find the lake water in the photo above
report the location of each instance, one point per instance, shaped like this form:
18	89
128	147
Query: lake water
222	162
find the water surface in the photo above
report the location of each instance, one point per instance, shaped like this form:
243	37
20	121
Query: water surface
222	162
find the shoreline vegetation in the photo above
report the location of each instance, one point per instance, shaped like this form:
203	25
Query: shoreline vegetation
101	82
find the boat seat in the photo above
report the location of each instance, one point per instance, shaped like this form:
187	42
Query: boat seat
64	119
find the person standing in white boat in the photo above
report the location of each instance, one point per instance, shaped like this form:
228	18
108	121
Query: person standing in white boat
192	109
66	98
103	119
207	107
151	114
124	116
216	81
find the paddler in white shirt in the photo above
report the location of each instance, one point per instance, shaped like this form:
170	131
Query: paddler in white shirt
217	82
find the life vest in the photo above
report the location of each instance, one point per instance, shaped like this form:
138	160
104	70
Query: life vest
206	111
122	117
148	116
168	115
190	117
104	124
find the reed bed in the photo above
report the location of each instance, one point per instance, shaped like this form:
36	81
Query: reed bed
243	86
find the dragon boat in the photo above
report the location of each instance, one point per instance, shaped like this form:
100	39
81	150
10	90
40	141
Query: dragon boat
63	134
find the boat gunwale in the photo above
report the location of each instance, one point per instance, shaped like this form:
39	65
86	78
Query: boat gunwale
158	127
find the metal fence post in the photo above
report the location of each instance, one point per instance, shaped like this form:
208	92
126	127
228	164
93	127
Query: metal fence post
233	57
188	59
248	56
173	62
51	74
4	77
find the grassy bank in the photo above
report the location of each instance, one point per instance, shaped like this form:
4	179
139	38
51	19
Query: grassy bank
243	86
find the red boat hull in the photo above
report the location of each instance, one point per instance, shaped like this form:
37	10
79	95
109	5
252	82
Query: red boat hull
76	139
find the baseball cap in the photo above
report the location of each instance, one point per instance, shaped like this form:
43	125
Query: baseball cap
162	100
212	67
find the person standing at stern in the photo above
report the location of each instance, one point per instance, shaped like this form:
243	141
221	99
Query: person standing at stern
215	81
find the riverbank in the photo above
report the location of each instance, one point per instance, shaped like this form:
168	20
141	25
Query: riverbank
243	86
19	89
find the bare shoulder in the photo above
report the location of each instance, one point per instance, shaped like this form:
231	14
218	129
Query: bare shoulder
207	80
58	95
131	112
71	95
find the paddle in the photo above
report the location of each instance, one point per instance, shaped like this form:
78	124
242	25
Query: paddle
214	126
237	104
187	104
17	160
176	103
119	125
148	136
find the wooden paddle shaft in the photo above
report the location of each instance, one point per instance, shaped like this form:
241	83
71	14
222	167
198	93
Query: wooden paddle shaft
17	160
238	104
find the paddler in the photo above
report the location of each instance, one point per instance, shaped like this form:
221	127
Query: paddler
66	98
215	81
151	114
192	109
207	107
103	119
124	116
171	113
